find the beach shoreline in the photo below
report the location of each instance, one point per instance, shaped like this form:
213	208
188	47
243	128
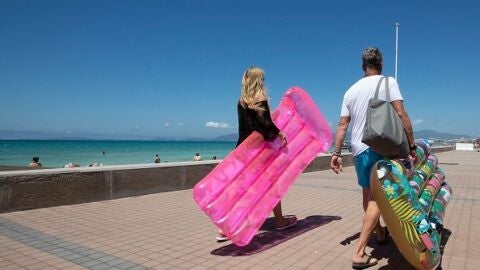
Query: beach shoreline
18	168
57	153
27	189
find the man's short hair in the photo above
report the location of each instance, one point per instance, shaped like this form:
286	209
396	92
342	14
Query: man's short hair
372	58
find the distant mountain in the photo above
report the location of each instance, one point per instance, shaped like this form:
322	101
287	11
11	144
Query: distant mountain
432	134
194	139
427	134
189	139
32	135
74	136
227	137
165	139
23	135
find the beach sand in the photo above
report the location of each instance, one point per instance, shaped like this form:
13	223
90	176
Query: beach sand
17	168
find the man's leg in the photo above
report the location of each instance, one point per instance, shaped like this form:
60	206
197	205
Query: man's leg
379	230
370	221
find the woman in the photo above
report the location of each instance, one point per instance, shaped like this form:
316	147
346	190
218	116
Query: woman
254	115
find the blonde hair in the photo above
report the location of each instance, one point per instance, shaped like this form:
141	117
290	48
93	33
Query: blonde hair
253	89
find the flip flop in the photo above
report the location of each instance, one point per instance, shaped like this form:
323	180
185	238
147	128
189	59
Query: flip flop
292	221
364	265
221	238
382	242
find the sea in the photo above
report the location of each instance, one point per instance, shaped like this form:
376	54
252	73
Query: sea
58	153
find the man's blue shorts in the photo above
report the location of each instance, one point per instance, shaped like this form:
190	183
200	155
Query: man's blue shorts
363	165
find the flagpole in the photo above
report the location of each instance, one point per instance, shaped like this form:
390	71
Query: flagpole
396	49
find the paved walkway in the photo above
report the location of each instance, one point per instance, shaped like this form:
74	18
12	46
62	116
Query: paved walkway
168	231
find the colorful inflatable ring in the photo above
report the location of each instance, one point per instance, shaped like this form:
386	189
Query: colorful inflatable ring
413	207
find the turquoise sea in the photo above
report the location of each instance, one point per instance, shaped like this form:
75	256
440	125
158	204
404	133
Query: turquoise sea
57	153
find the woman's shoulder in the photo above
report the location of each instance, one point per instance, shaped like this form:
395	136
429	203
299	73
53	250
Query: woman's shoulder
262	103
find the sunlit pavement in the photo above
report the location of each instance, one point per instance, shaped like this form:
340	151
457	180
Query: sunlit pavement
168	231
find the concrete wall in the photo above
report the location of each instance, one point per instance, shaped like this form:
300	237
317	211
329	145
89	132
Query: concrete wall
28	189
20	190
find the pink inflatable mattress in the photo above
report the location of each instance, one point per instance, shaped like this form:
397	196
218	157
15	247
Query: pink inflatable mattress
240	192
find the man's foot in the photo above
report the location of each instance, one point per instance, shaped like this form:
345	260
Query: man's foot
368	262
288	221
383	240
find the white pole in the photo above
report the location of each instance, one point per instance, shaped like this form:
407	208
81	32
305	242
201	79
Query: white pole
396	49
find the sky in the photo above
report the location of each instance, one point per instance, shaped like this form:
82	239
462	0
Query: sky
173	68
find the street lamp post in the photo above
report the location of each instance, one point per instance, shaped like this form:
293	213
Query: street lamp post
396	49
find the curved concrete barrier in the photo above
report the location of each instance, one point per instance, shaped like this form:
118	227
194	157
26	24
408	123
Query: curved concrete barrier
28	189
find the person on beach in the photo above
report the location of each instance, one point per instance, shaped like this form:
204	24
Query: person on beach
71	165
254	115
96	164
156	159
197	157
35	163
354	112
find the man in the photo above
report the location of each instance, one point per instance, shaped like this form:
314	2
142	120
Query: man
354	112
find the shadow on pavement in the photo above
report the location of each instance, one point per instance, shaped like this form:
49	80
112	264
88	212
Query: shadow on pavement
445	235
271	237
395	258
348	240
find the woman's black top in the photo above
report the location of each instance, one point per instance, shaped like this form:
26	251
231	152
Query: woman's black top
250	120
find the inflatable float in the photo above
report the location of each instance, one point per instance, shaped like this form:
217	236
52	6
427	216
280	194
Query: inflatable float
412	196
240	192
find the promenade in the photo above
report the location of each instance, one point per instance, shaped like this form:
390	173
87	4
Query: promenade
168	231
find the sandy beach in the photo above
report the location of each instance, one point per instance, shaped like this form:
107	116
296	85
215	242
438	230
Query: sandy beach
17	168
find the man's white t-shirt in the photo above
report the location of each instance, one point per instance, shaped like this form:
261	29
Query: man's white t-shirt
355	105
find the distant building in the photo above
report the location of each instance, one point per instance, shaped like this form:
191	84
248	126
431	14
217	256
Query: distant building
347	146
464	146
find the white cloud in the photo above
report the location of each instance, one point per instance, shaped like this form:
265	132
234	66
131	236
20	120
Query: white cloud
167	124
417	122
180	124
217	125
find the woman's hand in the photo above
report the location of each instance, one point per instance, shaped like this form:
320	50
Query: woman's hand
283	139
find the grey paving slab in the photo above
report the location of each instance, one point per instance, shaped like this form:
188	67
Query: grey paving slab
63	249
168	231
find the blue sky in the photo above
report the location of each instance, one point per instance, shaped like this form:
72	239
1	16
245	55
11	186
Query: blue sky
173	68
